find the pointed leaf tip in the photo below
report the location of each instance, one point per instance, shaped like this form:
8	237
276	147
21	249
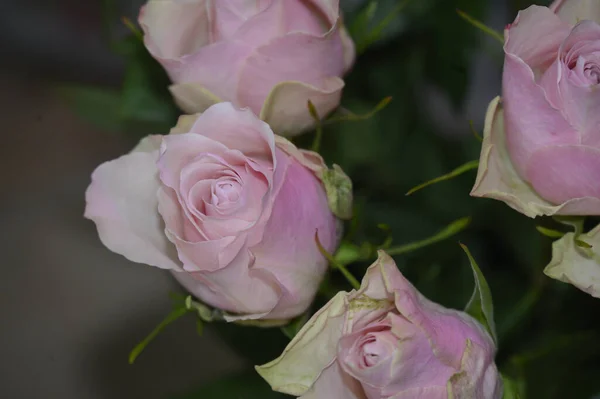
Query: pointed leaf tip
480	305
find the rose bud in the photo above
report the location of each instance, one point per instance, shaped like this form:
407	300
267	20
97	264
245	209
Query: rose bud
269	55
541	149
228	207
387	341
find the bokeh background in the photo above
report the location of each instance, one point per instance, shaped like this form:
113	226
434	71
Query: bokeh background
75	92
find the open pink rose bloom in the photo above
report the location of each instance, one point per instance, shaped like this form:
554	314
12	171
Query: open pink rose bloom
228	207
541	151
387	341
269	55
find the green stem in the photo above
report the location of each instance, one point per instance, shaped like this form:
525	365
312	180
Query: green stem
337	265
174	315
450	230
481	26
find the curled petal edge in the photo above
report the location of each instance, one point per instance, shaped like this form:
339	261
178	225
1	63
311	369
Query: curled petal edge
498	179
575	265
294	95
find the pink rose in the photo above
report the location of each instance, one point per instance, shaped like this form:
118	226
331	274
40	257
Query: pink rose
269	55
541	152
387	341
227	206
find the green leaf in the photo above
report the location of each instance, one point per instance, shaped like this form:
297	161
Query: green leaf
99	106
247	385
480	305
512	388
365	36
139	348
456	172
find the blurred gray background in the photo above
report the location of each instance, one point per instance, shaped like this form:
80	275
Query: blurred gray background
71	310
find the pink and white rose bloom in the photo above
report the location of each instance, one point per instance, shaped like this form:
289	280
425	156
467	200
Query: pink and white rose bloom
227	206
269	55
387	341
541	150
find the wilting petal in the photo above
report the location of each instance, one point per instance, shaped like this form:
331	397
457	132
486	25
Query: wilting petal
286	107
577	265
312	350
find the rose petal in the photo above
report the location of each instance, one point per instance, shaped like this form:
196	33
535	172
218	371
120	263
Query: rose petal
531	122
294	57
122	201
424	393
561	173
286	107
168	40
574	11
478	376
497	178
535	36
192	98
288	248
196	252
312	350
575	265
334	383
580	102
179	150
238	129
447	329
237	287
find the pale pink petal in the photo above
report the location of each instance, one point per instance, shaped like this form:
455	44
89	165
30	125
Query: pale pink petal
293	57
238	129
498	179
235	288
310	352
574	11
194	250
230	15
214	68
478	376
446	329
424	393
193	98
286	107
530	121
563	173
122	201
309	159
288	248
535	36
179	150
334	383
173	29
580	97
